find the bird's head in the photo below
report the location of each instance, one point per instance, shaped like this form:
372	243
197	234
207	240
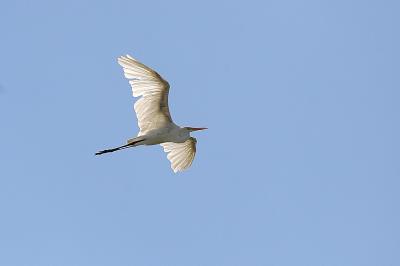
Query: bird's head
191	129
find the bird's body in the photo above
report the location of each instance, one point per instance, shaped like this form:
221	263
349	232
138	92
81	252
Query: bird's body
154	119
170	133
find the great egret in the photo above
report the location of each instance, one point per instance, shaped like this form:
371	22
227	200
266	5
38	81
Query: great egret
154	119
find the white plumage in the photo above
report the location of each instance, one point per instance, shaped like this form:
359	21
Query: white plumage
154	119
181	155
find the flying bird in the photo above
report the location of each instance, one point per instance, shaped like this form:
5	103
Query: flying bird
154	119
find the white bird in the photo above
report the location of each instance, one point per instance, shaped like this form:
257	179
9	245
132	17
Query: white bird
154	119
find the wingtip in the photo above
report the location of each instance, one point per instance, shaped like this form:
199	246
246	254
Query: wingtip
125	57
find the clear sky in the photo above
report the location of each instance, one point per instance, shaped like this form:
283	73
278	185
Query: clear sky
300	165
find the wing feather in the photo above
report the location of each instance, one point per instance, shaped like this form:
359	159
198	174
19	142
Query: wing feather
181	155
152	107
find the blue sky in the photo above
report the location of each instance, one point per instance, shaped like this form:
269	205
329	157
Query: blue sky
300	165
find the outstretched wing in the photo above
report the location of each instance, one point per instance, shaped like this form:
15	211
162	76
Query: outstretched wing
152	107
180	155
